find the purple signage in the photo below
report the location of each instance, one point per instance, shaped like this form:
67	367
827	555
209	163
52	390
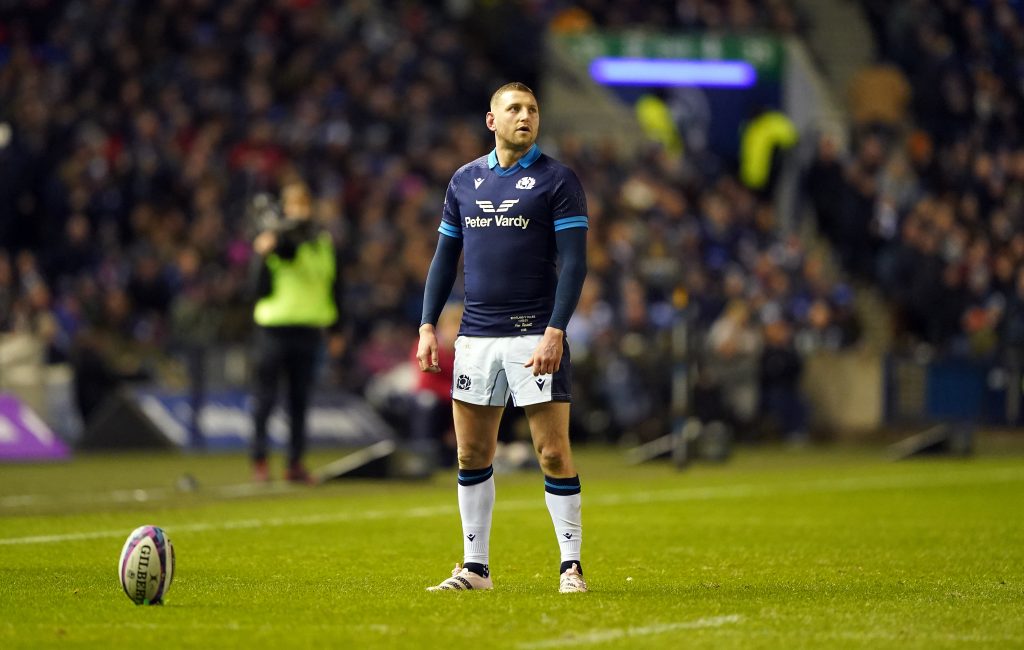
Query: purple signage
24	436
673	72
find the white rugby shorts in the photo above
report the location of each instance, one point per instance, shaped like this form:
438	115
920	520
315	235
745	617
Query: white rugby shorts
489	369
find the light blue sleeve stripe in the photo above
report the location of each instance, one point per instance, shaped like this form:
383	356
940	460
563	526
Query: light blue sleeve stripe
575	224
582	217
450	230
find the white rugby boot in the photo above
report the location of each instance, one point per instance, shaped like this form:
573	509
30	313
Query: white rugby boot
465	580
571	582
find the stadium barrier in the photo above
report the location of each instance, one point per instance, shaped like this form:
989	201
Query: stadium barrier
120	424
850	394
925	391
383	459
154	417
845	392
23	368
855	393
941	439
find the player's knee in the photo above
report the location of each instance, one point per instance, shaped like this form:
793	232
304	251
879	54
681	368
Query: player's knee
554	460
473	455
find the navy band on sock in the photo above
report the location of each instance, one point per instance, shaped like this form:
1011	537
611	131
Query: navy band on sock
473	476
562	486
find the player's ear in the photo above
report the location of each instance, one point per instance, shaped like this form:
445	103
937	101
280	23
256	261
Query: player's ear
489	120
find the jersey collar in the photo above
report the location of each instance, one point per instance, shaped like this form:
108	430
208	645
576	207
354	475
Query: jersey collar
531	157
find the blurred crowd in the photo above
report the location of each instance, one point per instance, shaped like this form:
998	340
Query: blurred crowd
668	243
734	16
929	202
135	136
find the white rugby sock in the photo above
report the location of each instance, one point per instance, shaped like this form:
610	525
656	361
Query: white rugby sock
476	505
562	496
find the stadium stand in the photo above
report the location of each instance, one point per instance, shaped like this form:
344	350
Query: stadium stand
139	137
931	196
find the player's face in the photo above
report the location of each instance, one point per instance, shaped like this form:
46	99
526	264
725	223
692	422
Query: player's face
515	119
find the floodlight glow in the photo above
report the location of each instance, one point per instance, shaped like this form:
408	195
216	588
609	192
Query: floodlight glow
673	72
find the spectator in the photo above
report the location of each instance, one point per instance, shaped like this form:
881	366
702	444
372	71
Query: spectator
879	96
298	293
734	351
781	405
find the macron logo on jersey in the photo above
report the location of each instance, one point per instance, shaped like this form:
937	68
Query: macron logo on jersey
488	207
477	182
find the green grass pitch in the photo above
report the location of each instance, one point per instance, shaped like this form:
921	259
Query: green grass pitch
833	548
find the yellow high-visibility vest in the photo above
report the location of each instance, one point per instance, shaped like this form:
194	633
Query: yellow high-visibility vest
302	288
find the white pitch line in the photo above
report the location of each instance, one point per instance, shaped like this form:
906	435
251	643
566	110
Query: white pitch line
64	537
19	500
602	636
851	484
241	524
818	637
936	637
857	483
241	490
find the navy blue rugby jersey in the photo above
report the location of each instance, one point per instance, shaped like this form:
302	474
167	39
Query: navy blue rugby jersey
507	219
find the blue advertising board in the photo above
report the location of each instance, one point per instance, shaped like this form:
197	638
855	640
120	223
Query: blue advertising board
225	420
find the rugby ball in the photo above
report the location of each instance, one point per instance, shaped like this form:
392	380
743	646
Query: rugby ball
146	567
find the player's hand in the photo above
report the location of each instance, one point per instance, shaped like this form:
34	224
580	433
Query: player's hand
547	358
264	242
426	351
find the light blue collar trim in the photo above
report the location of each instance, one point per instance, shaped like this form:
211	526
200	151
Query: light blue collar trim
531	157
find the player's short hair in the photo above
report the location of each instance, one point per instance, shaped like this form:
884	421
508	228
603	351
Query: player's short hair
512	85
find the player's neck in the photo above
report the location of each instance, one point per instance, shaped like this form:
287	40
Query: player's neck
508	156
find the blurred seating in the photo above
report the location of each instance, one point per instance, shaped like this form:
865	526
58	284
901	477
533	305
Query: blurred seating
929	207
137	136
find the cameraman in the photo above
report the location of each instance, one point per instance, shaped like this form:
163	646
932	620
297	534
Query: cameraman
298	297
